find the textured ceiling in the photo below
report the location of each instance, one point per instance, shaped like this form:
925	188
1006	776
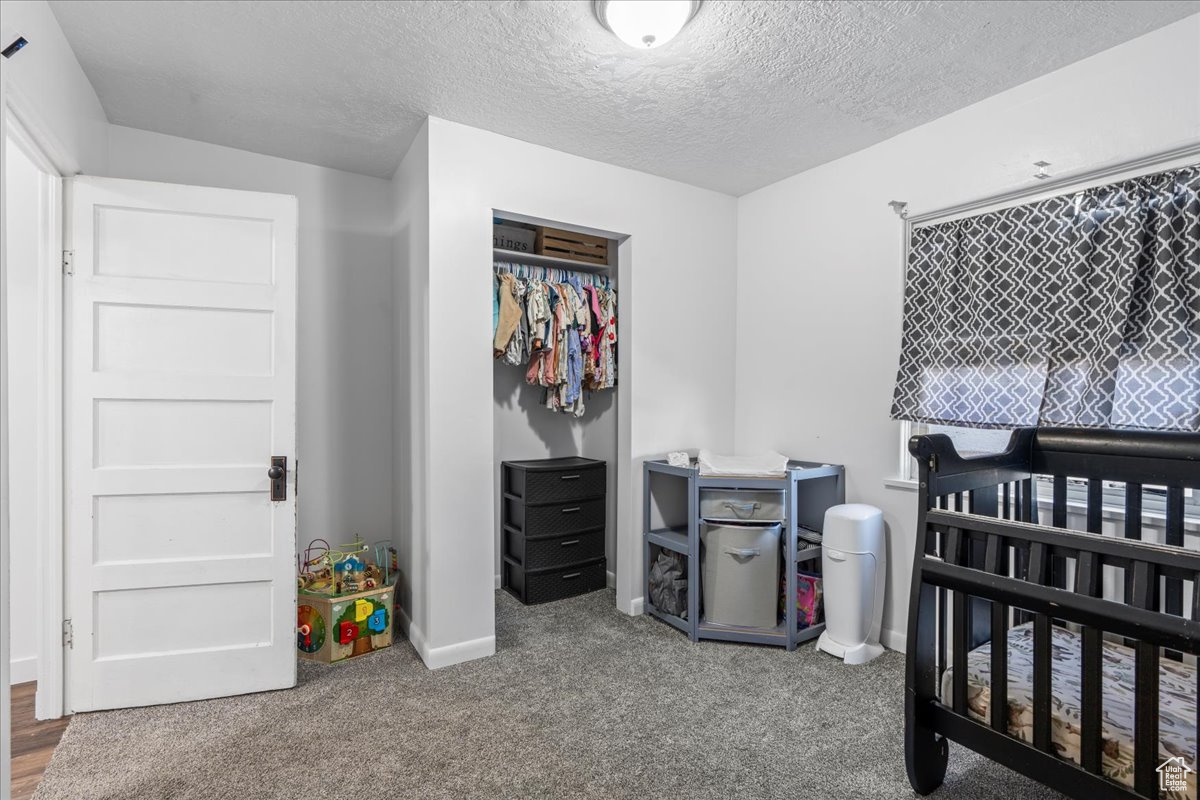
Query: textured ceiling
749	93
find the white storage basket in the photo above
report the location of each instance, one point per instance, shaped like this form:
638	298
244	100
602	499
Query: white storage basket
742	505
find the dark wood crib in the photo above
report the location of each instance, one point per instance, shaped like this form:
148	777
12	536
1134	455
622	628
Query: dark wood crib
1095	648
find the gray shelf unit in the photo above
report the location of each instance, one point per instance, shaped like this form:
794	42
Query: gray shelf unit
810	489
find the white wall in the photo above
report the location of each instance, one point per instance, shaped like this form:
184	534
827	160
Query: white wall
50	93
21	207
410	358
676	329
344	399
46	90
820	267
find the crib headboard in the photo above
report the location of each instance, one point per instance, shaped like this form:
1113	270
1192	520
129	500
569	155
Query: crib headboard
1005	485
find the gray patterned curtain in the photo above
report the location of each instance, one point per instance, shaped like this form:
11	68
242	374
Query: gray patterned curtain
1081	309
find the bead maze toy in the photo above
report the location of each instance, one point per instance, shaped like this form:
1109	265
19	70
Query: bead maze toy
345	598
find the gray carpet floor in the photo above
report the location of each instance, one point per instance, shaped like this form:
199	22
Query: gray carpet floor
580	701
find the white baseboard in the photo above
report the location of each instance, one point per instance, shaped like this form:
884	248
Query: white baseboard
497	580
893	640
448	655
638	606
22	670
405	622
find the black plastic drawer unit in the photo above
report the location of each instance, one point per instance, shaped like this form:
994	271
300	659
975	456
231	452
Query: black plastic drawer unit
553	517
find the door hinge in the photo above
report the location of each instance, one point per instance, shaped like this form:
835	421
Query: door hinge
68	262
68	634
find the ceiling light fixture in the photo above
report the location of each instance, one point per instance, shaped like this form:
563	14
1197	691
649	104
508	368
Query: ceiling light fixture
645	23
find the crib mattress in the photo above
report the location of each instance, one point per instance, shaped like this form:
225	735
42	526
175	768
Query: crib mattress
1177	701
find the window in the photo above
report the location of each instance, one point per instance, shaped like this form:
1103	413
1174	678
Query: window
1072	310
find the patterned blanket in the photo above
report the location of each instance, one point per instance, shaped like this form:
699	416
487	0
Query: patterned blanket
1177	701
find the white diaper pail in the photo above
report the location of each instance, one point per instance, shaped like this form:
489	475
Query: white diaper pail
853	563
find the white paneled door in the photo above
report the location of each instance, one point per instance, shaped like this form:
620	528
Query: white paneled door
180	390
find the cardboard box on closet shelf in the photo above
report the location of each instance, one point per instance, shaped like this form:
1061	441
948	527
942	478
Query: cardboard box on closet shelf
508	237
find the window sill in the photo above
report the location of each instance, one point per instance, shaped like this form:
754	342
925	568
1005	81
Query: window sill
903	484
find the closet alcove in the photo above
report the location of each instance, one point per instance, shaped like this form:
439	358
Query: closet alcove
523	428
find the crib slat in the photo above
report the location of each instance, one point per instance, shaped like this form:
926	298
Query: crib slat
1174	537
1173	602
1087	582
942	630
1027	514
1133	530
1059	510
1036	570
995	561
1133	513
999	706
1037	573
960	645
1196	600
1145	710
1041	682
1095	501
983	502
1145	725
1007	502
954	552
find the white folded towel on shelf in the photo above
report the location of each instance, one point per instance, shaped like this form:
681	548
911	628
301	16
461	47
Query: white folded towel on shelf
765	465
679	459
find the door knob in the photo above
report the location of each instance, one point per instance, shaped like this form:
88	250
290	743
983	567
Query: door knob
277	472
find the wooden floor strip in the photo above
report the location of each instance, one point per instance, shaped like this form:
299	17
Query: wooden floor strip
33	742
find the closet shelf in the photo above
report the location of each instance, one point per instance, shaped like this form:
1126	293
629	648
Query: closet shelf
741	633
671	539
512	256
810	553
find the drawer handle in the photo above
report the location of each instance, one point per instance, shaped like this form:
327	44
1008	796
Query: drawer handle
743	510
568	477
568	544
572	575
570	510
743	552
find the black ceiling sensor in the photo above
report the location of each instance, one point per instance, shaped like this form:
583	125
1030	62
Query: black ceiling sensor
17	44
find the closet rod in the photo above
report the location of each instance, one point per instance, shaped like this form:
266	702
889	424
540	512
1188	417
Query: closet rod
552	273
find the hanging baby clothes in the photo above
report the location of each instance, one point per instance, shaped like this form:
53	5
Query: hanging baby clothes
517	351
510	314
564	330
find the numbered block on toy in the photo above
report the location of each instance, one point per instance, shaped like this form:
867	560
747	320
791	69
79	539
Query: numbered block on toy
332	629
363	609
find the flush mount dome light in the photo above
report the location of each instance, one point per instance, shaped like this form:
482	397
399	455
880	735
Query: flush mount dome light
645	23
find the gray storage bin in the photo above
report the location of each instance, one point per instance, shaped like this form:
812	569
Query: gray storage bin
740	574
745	505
